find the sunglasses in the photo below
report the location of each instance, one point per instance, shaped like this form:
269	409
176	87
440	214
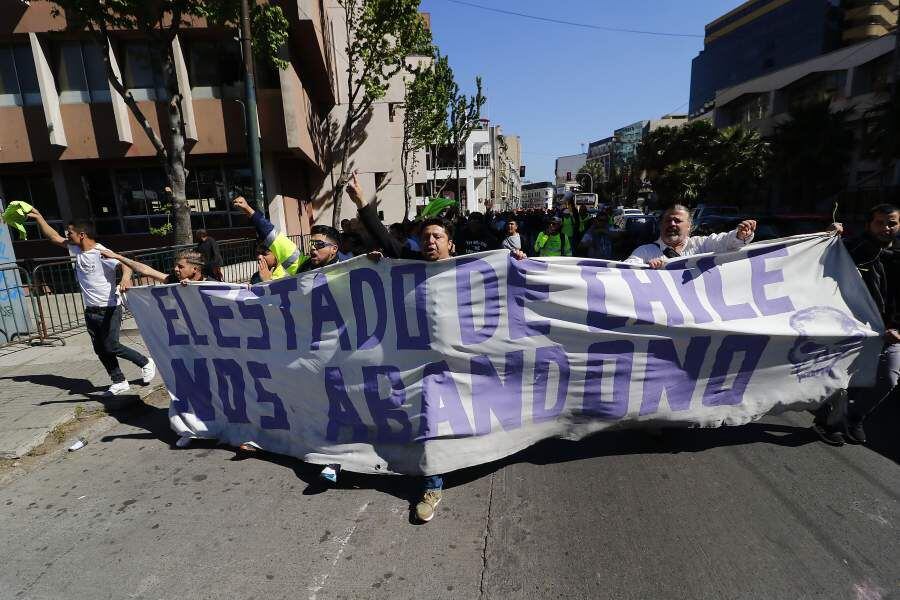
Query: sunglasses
319	244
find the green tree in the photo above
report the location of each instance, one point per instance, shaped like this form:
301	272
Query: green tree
738	166
811	153
597	173
159	23
465	117
380	35
425	115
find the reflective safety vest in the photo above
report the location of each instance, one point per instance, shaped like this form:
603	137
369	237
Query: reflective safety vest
289	258
552	245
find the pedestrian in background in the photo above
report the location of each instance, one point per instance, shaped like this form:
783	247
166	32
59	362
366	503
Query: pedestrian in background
512	241
212	258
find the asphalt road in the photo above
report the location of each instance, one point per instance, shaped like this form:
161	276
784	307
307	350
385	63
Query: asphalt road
762	511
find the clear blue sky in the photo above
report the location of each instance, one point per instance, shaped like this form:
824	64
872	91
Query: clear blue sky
559	86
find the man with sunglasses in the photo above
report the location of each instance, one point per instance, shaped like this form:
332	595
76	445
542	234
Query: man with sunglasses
279	256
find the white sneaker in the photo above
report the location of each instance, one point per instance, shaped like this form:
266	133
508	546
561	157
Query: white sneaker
117	389
148	372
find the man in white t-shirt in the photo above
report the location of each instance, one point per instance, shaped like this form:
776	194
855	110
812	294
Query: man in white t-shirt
96	277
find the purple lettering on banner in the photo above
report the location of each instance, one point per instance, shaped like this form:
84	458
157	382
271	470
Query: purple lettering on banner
341	412
324	308
405	340
712	281
217	313
169	315
255	312
440	402
760	278
192	392
283	288
752	346
645	294
621	352
666	373
279	419
491	305
597	317
358	277
518	292
687	290
491	395
542	359
387	409
228	369
198	340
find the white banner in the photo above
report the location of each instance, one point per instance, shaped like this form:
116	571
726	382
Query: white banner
424	368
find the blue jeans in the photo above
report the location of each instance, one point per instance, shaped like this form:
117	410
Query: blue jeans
434	482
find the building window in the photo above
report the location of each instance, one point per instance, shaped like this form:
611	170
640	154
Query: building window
482	161
392	111
80	72
18	79
38	191
101	200
142	71
214	69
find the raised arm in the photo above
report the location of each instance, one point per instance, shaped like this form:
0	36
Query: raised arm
129	265
286	252
369	218
46	230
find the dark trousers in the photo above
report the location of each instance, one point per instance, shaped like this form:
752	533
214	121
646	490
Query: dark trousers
103	324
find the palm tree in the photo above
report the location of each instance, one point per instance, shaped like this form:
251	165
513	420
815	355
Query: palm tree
811	153
739	165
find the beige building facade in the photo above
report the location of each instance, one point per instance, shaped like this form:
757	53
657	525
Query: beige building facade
70	146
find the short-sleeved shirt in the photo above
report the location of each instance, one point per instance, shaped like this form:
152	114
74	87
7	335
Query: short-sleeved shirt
96	276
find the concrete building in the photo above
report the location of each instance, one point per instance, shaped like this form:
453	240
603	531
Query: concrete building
765	36
604	151
506	158
855	78
568	166
538	195
489	171
69	145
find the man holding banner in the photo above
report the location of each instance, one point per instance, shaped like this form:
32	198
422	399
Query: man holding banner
879	267
435	241
675	239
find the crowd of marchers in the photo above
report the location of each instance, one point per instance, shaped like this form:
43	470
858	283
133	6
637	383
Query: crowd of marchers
567	231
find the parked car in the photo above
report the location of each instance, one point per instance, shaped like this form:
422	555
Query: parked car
619	214
768	227
707	210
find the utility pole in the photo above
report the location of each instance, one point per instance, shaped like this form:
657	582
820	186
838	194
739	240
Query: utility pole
252	118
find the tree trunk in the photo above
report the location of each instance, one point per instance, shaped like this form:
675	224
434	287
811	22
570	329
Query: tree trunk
176	172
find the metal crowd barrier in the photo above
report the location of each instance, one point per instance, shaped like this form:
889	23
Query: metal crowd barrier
47	302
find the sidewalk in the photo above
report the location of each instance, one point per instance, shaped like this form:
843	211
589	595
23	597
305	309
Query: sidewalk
42	386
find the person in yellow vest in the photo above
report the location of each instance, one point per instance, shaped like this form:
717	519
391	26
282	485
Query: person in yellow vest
552	241
279	256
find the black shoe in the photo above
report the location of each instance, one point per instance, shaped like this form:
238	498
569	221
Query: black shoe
855	434
829	436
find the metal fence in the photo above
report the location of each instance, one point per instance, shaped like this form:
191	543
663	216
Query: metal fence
46	302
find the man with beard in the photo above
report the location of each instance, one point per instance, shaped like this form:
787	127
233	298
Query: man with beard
878	265
675	239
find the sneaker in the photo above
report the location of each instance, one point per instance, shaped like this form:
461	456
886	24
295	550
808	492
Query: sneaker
183	442
426	506
829	436
855	434
148	372
117	389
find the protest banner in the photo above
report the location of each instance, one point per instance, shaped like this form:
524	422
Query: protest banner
423	368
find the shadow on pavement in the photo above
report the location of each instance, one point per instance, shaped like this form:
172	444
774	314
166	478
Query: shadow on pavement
75	387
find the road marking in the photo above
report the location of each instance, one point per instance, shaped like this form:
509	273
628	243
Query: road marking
342	543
